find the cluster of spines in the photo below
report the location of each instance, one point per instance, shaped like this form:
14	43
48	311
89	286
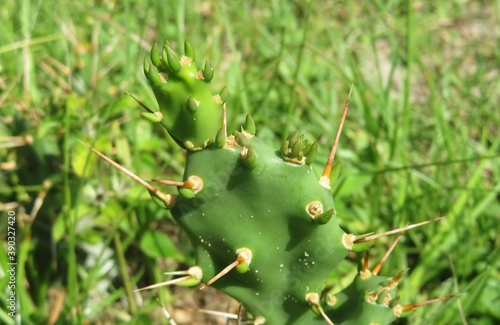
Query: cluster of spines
297	150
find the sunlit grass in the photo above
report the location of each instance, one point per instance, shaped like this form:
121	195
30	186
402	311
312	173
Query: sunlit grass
421	140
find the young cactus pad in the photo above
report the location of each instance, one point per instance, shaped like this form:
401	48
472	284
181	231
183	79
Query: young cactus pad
263	225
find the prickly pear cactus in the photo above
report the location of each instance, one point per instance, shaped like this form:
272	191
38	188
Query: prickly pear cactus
263	225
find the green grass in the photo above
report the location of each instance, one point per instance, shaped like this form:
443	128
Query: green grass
421	141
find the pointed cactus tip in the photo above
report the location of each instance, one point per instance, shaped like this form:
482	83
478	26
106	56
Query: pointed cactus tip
189	50
207	72
173	60
223	95
249	157
242	139
250	125
312	153
155	117
220	139
155	55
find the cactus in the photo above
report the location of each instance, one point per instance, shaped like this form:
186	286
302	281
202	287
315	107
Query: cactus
263	226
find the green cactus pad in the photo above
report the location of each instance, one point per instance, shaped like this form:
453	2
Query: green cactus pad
192	115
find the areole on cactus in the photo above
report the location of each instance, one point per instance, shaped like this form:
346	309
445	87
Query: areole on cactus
263	225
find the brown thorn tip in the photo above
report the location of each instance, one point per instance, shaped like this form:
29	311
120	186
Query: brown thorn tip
167	198
140	103
408	307
377	267
365	262
328	167
394	231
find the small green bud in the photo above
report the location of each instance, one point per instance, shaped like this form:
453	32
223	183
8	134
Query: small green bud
152	117
145	66
323	218
223	95
250	125
208	72
220	138
153	76
242	139
192	104
335	172
292	137
189	50
284	147
394	302
249	157
155	56
187	193
311	155
296	148
173	60
158	201
242	267
191	282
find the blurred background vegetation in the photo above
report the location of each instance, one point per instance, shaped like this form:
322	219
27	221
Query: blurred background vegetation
421	141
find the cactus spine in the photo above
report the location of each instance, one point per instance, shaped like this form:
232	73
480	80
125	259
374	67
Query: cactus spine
264	227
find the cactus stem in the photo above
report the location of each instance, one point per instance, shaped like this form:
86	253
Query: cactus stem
168	199
244	257
313	299
324	180
394	231
376	268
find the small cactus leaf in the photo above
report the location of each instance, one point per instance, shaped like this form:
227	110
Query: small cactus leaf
249	157
323	218
207	72
187	193
335	173
192	104
189	50
242	139
284	148
250	125
152	117
223	95
174	61
158	201
155	55
220	139
312	153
